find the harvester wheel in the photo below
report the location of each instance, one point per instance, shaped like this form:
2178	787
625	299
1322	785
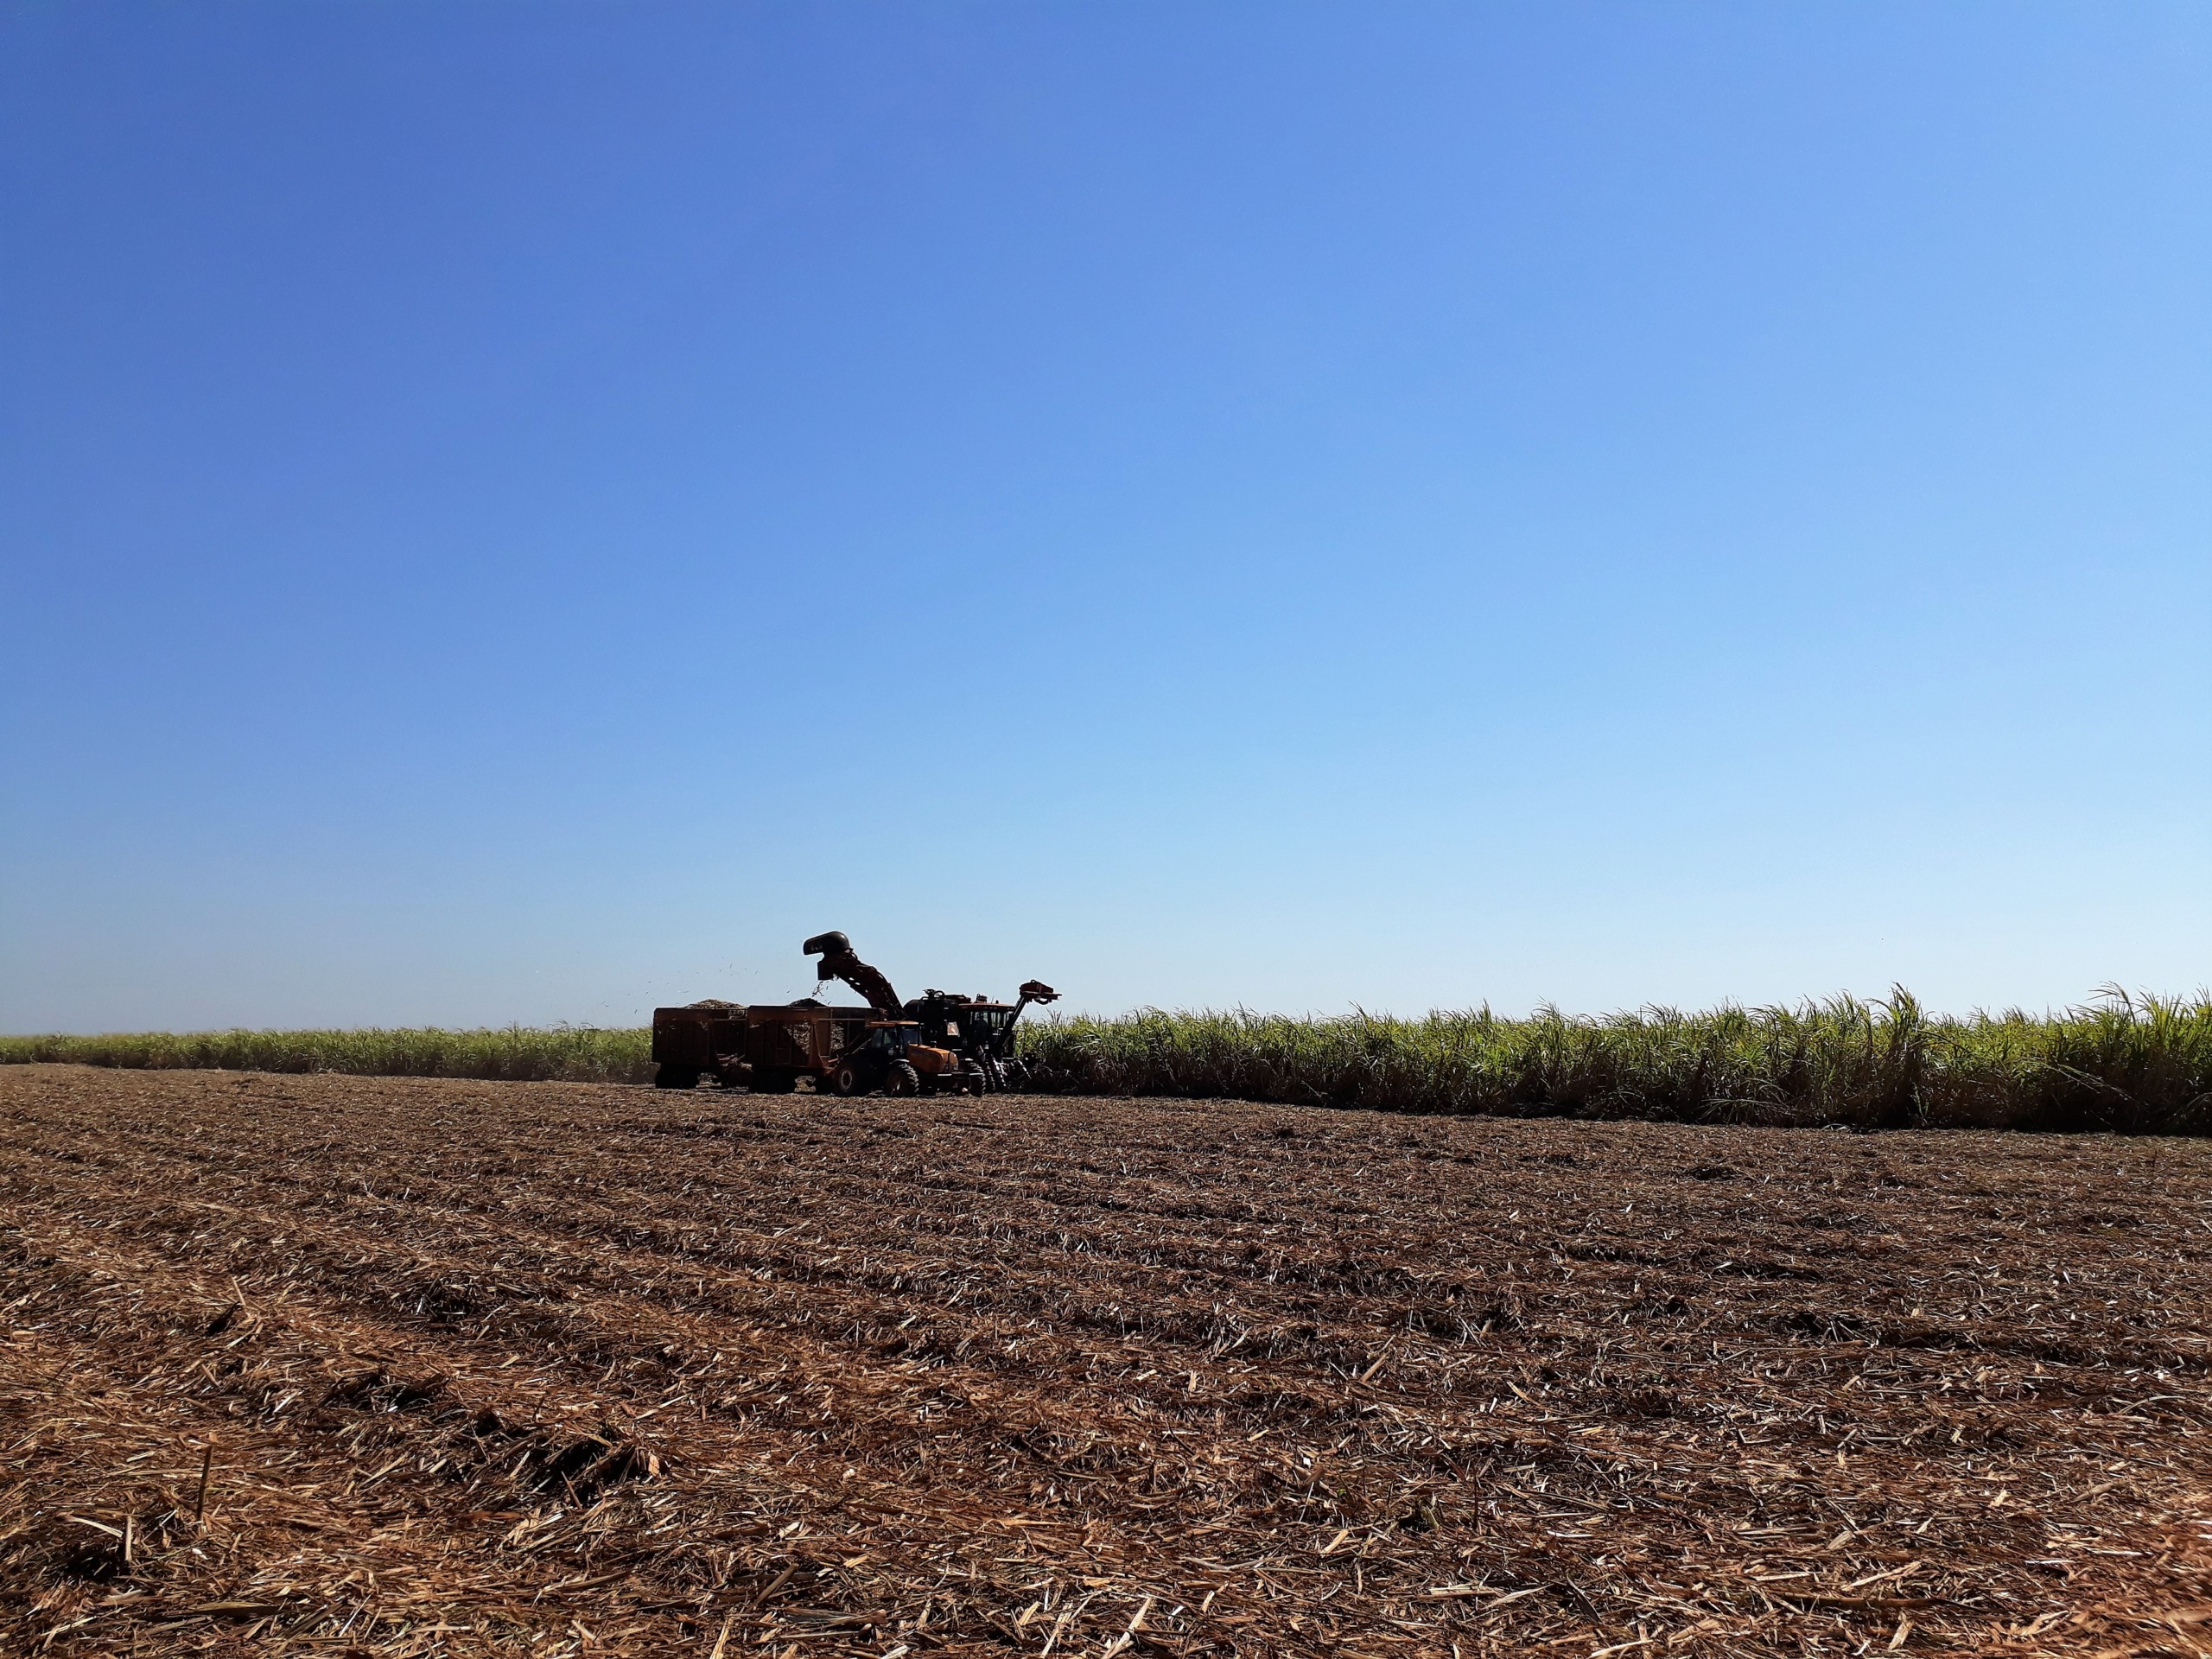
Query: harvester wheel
902	1079
676	1077
846	1079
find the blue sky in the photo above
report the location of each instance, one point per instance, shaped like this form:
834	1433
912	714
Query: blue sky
524	512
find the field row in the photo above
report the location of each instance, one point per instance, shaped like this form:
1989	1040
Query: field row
481	1368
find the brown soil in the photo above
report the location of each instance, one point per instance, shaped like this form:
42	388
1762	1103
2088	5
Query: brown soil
570	1369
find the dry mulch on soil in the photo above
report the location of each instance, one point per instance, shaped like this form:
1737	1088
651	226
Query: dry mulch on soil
339	1365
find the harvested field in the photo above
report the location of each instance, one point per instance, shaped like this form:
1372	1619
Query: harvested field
314	1364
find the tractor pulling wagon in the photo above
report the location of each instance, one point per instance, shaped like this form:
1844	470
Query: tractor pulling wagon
939	1042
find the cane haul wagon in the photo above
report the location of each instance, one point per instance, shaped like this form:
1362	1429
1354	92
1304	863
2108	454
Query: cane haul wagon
767	1048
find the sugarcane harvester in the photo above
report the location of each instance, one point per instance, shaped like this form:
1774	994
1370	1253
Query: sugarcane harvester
941	1040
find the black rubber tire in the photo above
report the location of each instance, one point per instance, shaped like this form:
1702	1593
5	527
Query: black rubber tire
773	1083
846	1080
676	1077
901	1080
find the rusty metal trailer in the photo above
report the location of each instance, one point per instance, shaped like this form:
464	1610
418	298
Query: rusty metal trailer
769	1047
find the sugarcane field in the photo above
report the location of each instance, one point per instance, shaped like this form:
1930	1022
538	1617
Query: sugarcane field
1177	830
385	1366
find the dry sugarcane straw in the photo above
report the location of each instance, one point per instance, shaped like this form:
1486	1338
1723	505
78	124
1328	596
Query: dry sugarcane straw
851	1377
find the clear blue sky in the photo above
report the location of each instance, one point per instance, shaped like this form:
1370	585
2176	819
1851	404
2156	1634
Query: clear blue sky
525	512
